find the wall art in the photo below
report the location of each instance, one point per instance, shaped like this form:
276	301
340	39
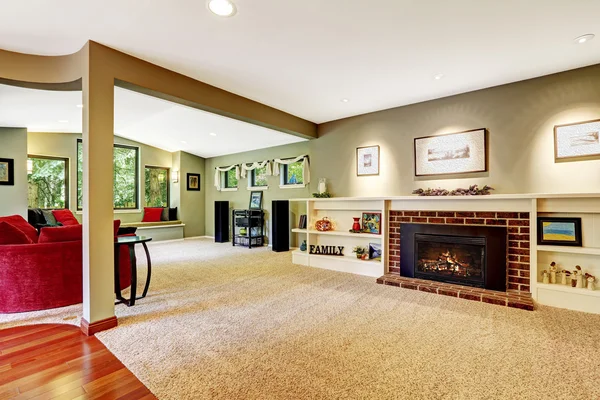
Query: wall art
256	200
375	251
577	141
452	153
193	182
371	223
367	161
559	231
7	171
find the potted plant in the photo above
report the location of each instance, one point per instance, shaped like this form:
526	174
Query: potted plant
361	252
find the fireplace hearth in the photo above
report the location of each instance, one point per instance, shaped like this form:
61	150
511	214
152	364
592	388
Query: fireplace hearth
466	255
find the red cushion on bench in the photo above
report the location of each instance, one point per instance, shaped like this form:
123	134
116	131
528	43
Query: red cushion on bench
152	214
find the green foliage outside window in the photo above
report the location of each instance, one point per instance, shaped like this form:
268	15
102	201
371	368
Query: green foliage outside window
293	173
230	180
47	182
125	176
259	176
157	187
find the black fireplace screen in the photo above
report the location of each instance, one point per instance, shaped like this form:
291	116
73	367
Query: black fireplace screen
449	258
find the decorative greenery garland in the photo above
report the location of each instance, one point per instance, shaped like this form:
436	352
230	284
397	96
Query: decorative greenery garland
471	191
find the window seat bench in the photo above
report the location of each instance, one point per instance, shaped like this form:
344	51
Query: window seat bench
163	230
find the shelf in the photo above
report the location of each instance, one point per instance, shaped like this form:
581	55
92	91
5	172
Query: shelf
298	230
342	233
338	258
569	289
570	250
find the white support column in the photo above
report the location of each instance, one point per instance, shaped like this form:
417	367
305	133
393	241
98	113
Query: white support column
98	252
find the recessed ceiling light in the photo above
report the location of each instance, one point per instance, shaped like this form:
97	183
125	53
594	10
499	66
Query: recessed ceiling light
584	38
212	134
63	121
438	77
222	8
183	141
79	105
345	100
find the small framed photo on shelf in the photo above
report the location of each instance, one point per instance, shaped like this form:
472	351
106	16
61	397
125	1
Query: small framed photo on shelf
7	171
193	182
559	231
375	251
371	223
256	200
577	142
367	161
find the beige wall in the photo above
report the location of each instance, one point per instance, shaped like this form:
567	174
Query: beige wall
241	198
13	144
65	145
191	203
520	118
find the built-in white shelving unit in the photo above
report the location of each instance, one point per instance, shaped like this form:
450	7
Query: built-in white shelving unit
341	210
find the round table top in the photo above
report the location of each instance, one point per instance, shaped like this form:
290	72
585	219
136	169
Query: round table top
132	239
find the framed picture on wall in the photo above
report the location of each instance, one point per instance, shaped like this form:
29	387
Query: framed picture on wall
577	142
371	223
559	231
452	153
193	182
367	161
7	171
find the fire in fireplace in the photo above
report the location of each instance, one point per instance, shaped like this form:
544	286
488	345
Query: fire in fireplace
450	258
461	254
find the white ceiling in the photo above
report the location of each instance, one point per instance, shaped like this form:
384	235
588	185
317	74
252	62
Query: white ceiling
304	56
139	117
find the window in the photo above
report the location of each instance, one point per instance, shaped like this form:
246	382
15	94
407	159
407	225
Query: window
259	176
292	173
229	179
157	187
125	176
48	182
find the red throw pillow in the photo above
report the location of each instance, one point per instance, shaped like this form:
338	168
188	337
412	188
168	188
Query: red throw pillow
152	214
70	233
116	225
65	217
21	224
10	234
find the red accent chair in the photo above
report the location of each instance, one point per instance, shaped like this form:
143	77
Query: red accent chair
41	276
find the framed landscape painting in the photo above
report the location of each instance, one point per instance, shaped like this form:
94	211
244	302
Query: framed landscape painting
367	161
7	171
452	153
559	231
577	142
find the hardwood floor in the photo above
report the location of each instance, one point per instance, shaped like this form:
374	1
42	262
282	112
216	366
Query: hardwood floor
56	361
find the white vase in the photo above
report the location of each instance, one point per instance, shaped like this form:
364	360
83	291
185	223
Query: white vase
322	186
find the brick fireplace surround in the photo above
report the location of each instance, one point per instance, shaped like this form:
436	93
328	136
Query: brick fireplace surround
518	243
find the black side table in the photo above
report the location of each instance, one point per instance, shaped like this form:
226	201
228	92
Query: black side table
131	241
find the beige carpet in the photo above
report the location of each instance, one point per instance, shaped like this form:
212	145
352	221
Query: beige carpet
233	323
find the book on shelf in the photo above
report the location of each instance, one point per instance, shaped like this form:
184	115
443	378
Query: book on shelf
302	222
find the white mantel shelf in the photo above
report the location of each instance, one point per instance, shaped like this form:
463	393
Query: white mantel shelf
342	209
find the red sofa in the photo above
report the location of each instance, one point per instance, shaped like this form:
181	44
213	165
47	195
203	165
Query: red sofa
40	276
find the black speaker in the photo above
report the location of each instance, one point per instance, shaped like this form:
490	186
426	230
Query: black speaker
221	221
281	225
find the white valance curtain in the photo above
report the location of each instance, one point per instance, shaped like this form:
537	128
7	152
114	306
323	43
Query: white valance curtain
254	165
218	171
305	166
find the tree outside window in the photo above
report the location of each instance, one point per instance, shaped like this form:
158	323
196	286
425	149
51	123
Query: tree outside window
259	176
47	179
230	179
125	176
293	173
156	187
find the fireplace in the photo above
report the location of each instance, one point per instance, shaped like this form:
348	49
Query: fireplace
466	255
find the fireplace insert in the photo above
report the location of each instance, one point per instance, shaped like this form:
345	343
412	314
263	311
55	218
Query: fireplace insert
460	254
450	258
